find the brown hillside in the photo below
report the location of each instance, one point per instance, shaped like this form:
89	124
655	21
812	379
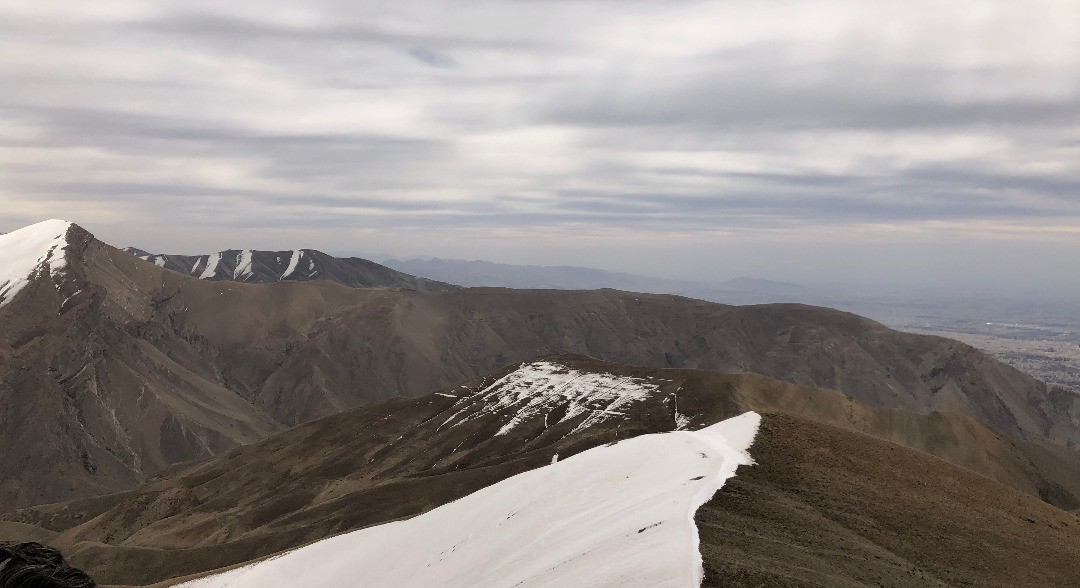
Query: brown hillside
94	396
829	508
403	457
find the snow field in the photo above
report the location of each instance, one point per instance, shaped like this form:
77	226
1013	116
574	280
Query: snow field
618	515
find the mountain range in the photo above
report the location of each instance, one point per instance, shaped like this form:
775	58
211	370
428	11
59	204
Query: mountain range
478	273
130	366
264	267
163	420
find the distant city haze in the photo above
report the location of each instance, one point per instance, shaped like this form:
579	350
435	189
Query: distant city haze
917	148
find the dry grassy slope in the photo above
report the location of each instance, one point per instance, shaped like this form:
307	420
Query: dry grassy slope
95	397
828	508
395	459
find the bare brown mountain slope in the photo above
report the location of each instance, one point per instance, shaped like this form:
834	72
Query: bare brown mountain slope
389	343
816	487
94	397
128	367
826	508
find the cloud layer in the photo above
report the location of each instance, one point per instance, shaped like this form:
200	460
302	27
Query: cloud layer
601	131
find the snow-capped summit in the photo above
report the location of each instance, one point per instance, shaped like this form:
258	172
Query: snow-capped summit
615	515
27	251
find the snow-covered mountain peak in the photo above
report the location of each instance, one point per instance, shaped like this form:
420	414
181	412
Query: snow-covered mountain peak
615	515
558	393
23	253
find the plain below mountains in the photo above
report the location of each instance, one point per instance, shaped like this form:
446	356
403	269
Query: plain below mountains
113	367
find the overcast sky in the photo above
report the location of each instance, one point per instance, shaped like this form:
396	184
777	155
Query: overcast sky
933	144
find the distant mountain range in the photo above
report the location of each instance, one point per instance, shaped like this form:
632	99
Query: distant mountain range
430	273
485	273
299	265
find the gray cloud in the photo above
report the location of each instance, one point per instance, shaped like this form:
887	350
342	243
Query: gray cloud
757	94
428	127
432	58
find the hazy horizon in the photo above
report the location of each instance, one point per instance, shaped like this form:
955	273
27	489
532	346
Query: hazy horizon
921	146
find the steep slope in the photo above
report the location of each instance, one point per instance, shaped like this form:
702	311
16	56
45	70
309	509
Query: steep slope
267	267
403	457
613	515
92	397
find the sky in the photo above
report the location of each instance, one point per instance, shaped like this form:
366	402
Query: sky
923	145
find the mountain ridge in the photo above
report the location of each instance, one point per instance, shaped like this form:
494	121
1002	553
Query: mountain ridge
264	267
481	273
122	368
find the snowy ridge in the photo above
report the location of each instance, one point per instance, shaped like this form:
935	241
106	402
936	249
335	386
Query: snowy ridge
617	515
25	251
539	387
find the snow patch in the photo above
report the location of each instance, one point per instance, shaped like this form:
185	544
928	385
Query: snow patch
681	420
243	264
539	387
25	251
159	261
618	515
211	266
296	255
